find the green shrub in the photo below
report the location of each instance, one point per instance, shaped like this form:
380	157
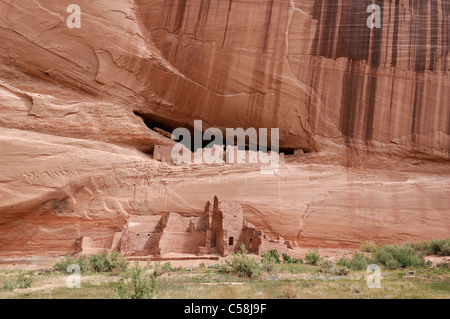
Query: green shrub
24	280
272	254
244	265
444	265
368	247
112	262
161	268
108	262
289	260
167	267
358	262
268	264
328	267
312	257
9	285
392	264
137	283
394	256
62	266
439	247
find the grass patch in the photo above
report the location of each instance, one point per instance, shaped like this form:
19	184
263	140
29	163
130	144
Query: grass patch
23	281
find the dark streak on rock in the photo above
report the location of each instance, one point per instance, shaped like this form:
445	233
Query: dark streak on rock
267	24
226	26
417	109
179	16
395	35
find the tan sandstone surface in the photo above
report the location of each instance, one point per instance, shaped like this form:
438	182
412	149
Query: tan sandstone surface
82	109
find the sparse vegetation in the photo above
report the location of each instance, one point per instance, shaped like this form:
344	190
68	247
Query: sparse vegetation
159	268
272	255
112	262
243	265
268	265
325	279
138	283
330	268
288	259
23	280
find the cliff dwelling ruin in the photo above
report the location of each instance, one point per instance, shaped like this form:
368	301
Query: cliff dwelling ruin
219	231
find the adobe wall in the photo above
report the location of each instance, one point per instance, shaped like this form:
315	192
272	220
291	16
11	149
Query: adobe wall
163	153
220	229
180	235
142	235
252	239
227	226
182	243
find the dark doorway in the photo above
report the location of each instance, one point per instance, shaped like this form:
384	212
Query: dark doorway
230	241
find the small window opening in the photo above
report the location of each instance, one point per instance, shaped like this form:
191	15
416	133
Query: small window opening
230	241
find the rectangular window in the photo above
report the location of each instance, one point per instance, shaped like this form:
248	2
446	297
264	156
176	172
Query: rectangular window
230	241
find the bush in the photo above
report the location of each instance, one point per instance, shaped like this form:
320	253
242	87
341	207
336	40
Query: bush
368	247
444	265
9	284
289	260
328	267
438	247
112	262
268	264
243	265
161	269
358	262
272	254
394	257
23	280
108	262
312	257
62	266
136	283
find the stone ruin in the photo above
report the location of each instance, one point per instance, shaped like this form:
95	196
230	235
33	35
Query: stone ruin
229	154
220	230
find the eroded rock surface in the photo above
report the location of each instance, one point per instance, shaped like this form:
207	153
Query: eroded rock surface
82	109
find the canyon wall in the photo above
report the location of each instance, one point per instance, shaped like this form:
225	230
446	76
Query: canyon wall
82	109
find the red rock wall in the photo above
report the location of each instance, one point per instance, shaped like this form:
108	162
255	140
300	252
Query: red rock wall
68	133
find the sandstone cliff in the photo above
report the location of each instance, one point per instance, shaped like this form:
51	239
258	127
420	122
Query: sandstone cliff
82	108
